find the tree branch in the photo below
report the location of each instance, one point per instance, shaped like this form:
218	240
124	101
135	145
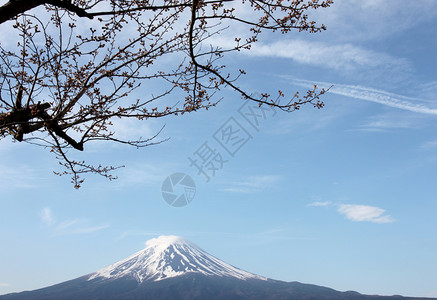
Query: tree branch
15	7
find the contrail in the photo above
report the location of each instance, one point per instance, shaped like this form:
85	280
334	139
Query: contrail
372	95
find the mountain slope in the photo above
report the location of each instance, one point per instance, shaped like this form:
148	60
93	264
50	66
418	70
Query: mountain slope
170	256
173	268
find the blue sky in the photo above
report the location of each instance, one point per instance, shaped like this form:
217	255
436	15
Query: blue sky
343	197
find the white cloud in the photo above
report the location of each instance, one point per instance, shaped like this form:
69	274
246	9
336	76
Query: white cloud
312	119
274	235
144	174
66	224
133	129
19	177
374	95
259	181
3	284
376	19
429	145
393	120
85	230
320	203
130	129
383	125
252	184
428	88
47	216
129	233
358	212
339	56
69	226
364	213
240	190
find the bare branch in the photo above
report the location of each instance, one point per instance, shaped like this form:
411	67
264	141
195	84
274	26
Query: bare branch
62	86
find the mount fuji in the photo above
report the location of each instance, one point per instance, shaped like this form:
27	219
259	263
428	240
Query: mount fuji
170	256
171	267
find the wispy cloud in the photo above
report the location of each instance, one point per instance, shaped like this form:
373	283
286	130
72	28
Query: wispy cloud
3	284
392	120
252	184
320	203
89	229
145	174
428	89
381	125
134	129
19	177
64	225
46	216
429	145
364	213
358	212
69	226
273	235
338	57
374	95
377	19
138	233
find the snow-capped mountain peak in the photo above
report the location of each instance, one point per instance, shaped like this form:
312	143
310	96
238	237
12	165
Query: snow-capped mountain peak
170	256
157	272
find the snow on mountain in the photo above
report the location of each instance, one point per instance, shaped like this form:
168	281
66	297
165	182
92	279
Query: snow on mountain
156	273
170	256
